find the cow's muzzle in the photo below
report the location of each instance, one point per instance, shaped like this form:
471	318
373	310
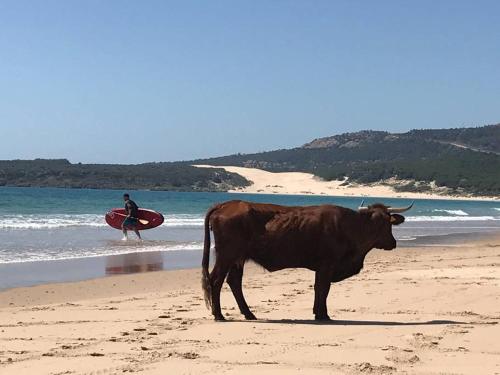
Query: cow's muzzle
390	246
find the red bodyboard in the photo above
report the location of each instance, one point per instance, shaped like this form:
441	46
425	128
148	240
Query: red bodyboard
115	218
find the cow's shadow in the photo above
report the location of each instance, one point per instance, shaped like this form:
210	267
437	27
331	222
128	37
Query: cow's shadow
340	322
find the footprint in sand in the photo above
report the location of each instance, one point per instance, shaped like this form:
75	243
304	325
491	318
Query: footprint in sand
403	357
369	368
419	340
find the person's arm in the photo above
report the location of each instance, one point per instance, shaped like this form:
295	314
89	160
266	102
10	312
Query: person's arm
127	209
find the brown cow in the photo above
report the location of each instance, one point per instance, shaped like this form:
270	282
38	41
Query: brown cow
330	240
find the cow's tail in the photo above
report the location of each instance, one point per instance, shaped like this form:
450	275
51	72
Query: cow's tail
205	277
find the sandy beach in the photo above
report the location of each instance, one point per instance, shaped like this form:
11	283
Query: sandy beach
428	310
299	183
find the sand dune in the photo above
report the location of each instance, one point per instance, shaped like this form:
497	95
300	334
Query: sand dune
299	183
419	311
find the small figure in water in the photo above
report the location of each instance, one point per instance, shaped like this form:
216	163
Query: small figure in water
131	220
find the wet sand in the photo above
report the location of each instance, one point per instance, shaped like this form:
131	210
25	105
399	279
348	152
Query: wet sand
429	310
66	270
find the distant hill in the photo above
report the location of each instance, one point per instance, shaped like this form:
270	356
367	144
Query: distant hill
463	161
151	176
484	139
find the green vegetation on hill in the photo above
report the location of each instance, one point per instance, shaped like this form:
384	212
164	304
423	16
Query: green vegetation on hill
461	160
151	176
486	138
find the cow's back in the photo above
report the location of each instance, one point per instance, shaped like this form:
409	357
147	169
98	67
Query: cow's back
236	223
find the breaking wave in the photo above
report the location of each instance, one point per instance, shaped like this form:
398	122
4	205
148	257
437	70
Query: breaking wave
184	220
453	218
453	212
52	221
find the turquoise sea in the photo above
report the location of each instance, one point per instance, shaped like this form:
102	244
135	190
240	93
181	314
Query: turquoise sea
40	225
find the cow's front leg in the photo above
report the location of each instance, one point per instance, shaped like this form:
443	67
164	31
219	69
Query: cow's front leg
322	283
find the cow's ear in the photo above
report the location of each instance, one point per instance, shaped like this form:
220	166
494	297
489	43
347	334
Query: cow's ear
397	219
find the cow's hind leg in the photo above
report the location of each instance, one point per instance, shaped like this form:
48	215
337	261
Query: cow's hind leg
321	289
217	277
234	279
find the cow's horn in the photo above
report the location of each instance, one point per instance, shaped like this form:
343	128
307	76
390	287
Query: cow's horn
361	208
397	210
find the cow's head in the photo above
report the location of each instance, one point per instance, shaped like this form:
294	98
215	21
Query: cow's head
382	219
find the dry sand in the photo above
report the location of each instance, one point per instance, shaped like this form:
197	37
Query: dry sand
431	310
300	183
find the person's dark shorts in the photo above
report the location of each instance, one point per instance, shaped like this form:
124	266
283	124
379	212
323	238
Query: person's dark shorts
130	222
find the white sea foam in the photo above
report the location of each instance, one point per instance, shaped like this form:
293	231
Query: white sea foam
453	218
184	220
133	247
54	221
50	221
406	238
453	212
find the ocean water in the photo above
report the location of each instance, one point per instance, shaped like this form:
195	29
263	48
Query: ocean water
60	224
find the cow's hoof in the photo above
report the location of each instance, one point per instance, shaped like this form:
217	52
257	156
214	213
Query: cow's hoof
220	318
322	318
250	317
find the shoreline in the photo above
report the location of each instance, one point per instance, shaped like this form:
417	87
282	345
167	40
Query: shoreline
301	183
43	272
412	310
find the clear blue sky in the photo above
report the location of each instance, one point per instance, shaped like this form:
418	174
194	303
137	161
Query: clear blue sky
136	81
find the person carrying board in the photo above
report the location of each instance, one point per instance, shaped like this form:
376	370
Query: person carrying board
131	219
